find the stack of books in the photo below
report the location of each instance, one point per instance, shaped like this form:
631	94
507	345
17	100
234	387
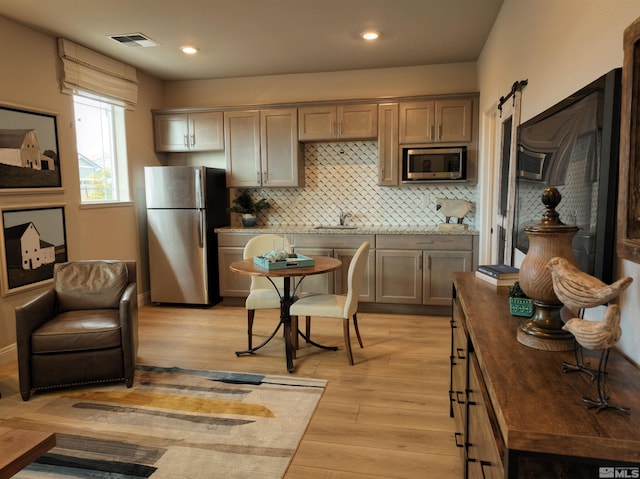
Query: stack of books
498	274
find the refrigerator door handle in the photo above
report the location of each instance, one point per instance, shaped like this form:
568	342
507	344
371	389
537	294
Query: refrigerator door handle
199	190
202	228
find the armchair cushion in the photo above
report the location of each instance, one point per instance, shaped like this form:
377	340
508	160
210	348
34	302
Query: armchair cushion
90	285
78	331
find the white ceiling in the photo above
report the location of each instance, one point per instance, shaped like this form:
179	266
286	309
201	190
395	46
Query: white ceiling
264	37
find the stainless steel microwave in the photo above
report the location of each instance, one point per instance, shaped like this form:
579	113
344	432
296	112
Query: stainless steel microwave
434	163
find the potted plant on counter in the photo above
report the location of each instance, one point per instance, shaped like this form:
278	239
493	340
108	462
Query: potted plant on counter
519	303
248	208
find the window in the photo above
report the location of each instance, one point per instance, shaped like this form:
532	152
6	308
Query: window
102	157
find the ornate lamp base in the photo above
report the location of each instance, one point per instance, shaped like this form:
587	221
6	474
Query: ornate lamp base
544	330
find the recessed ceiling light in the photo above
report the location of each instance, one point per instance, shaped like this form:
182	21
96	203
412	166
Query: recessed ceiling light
370	35
189	50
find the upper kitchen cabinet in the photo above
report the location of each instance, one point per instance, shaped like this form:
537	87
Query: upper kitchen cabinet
180	132
341	122
438	121
262	148
388	153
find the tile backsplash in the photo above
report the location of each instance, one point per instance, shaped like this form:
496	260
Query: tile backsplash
345	175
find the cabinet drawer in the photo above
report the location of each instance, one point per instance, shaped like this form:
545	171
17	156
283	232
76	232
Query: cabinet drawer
425	242
331	240
234	239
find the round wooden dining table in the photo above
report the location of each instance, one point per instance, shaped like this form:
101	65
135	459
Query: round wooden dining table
246	267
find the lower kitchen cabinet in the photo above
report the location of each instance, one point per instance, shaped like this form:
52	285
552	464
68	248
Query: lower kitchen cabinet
416	269
517	415
438	267
401	269
341	247
317	283
399	276
230	248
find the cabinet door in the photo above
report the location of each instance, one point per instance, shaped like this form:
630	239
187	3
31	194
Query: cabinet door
357	121
280	150
206	131
317	283
438	267
171	132
483	454
417	122
399	276
317	123
453	120
459	371
388	153
368	287
231	284
242	152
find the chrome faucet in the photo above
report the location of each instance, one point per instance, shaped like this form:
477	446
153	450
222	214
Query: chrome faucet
343	216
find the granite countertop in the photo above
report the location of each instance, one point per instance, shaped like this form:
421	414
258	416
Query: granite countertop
349	230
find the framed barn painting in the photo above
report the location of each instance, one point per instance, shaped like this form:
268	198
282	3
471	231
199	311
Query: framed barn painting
33	240
28	150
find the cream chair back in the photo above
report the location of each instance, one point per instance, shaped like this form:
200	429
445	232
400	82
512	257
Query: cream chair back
258	245
354	279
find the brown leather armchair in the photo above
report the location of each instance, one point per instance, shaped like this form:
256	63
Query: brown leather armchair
82	330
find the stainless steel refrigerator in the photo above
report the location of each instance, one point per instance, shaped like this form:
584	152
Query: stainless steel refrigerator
184	205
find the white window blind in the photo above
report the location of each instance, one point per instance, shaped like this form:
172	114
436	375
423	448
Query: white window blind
92	74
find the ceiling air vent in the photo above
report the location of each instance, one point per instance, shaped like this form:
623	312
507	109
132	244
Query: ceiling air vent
134	40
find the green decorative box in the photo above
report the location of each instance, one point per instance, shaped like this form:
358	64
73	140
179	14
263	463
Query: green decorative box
299	261
521	307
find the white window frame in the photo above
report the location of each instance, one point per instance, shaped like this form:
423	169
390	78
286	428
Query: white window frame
119	164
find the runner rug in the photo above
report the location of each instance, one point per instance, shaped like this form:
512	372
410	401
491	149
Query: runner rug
173	423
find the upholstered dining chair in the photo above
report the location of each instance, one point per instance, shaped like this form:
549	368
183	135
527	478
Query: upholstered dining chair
262	294
338	306
82	330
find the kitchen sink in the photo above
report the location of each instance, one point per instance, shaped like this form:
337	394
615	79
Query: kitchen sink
335	227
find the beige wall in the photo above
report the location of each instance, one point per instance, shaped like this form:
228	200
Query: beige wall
559	46
408	81
29	80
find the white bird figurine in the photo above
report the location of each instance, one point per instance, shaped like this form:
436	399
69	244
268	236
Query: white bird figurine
577	289
597	335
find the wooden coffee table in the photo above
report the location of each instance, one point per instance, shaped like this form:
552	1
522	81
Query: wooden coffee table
19	448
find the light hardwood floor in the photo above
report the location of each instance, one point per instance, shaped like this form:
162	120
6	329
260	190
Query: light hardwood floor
385	417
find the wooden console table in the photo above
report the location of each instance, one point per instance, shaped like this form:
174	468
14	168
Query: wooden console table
518	415
19	448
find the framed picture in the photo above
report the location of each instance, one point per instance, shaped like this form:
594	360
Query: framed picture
33	240
28	150
628	227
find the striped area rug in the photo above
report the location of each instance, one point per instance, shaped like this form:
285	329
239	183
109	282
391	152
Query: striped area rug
173	423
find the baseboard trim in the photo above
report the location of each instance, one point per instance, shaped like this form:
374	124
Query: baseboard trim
8	354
